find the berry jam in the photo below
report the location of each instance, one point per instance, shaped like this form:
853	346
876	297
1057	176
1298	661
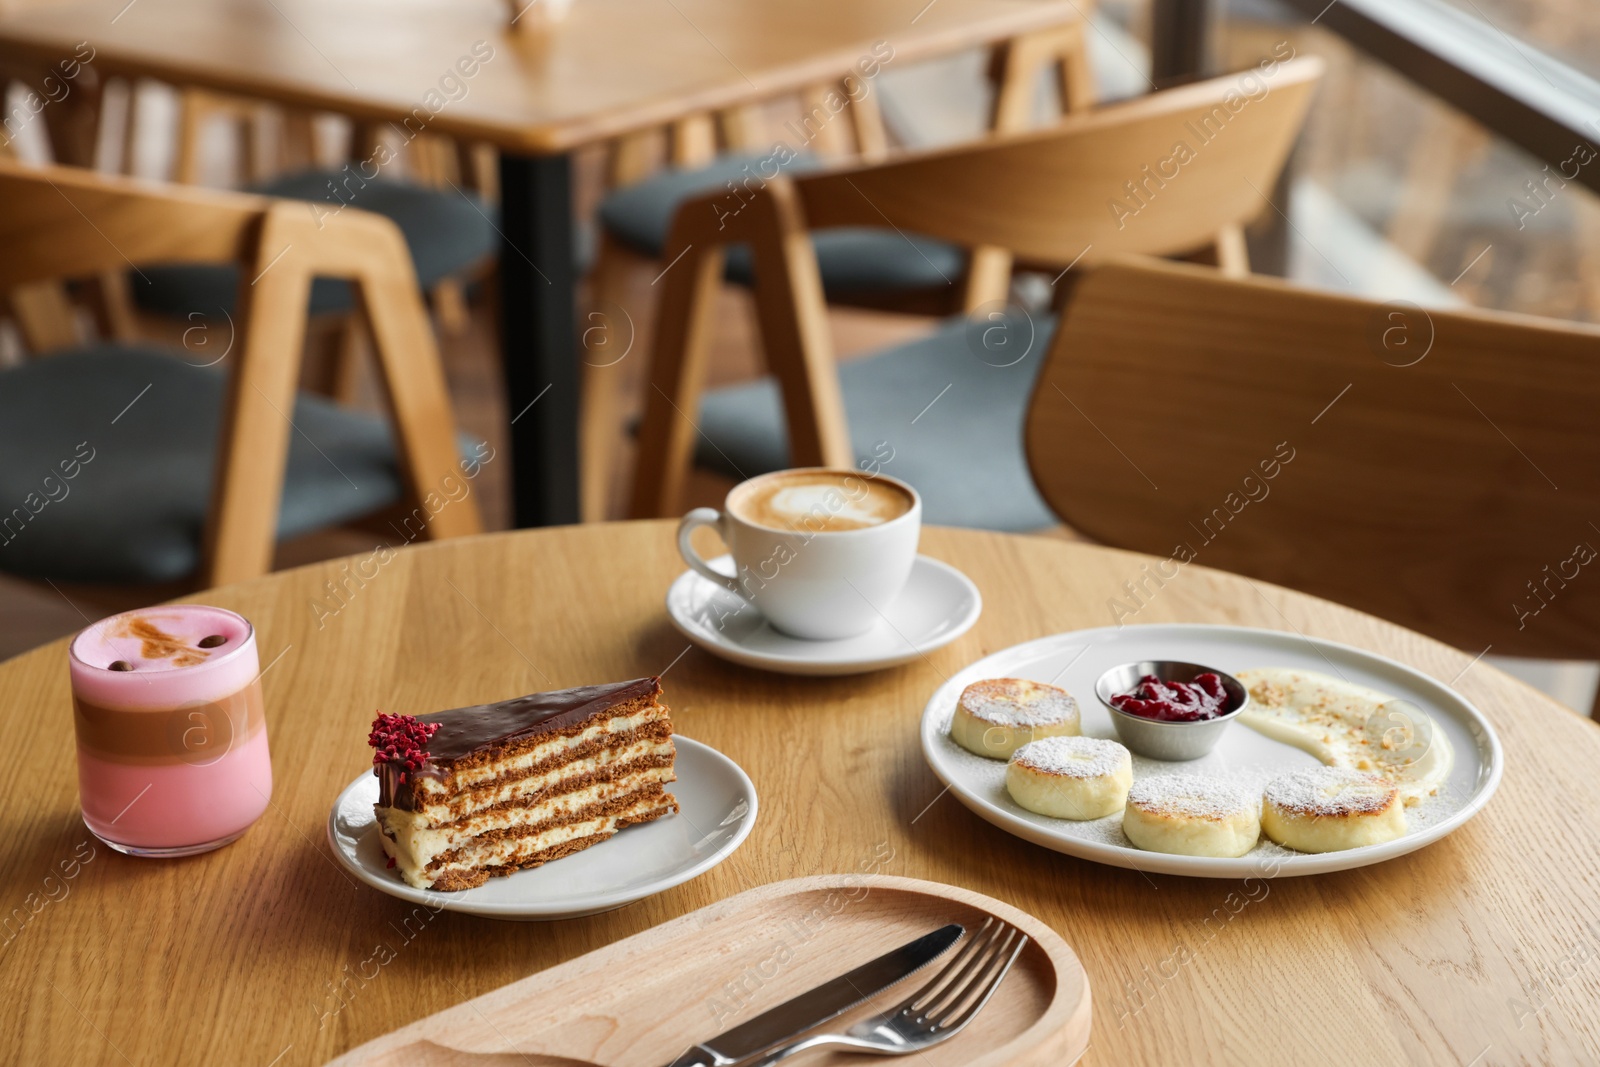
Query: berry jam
1202	699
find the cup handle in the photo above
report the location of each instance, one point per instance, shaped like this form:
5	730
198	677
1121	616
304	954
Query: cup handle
712	518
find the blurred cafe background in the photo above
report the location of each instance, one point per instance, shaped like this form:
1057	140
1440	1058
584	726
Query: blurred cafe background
1428	157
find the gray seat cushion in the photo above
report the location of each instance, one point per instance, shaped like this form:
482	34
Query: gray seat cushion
446	233
851	259
963	453
137	427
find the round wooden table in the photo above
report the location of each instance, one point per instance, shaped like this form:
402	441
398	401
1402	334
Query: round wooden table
1481	949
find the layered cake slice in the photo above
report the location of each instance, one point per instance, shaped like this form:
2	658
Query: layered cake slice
495	788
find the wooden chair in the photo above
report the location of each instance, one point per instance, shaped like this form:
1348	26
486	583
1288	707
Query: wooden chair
452	240
1060	196
60	222
872	267
1439	469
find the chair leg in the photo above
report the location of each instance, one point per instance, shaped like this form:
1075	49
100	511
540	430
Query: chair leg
297	146
44	317
1074	75
247	482
412	376
349	356
193	111
988	277
866	119
832	138
795	332
600	418
676	378
480	168
598	425
112	302
1010	76
1233	257
1014	68
694	141
449	299
740	127
629	157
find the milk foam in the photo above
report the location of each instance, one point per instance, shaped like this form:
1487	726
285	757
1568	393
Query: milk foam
819	501
162	646
795	502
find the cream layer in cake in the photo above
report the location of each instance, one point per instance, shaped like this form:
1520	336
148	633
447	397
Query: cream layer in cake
545	778
484	856
423	841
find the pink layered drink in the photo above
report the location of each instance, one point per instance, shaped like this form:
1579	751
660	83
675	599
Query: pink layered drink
172	739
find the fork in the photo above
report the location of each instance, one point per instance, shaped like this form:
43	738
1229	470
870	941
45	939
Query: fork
936	1012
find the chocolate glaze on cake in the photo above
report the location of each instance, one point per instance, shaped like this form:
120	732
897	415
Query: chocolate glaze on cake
484	730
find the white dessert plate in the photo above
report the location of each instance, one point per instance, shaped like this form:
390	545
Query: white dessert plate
1075	660
717	805
939	604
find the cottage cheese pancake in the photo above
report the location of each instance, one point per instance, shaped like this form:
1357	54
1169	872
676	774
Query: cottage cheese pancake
1329	809
1348	725
997	716
1192	815
1077	778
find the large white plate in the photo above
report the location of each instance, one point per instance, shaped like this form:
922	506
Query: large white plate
717	805
939	604
1075	660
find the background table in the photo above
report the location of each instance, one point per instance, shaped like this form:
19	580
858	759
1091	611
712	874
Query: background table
1483	948
612	66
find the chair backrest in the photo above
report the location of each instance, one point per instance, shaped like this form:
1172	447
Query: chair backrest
1167	173
1163	173
1440	469
859	131
58	223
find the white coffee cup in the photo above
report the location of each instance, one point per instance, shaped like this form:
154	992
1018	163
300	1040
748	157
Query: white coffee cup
814	580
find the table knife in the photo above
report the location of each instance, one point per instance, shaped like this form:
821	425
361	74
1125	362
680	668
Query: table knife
827	1001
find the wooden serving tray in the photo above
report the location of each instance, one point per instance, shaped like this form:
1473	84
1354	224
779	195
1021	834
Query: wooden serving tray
643	1000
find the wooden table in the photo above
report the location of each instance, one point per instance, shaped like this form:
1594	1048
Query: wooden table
612	66
1483	948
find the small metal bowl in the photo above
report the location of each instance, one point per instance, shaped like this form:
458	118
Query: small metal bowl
1168	740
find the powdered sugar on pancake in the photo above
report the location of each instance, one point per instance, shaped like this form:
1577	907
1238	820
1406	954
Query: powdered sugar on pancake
1018	702
1193	796
1330	791
1073	757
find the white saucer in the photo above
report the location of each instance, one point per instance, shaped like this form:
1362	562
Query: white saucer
717	810
939	604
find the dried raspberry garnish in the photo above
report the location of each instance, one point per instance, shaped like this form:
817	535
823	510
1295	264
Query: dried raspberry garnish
401	739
